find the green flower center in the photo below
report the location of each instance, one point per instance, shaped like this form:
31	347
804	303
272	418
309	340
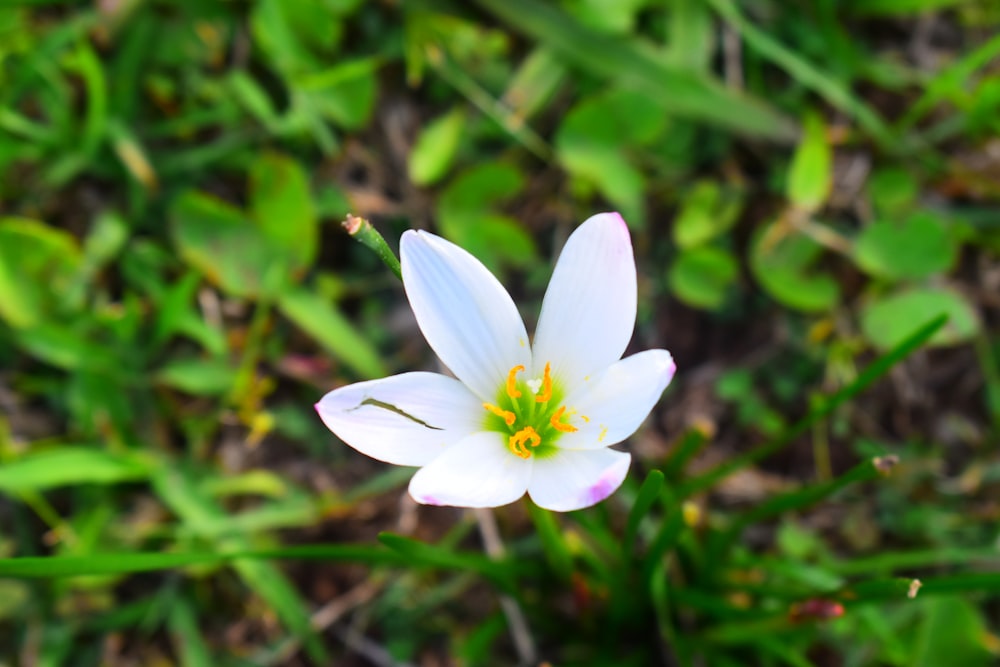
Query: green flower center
530	413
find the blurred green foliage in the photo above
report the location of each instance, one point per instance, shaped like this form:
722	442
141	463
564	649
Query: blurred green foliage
809	185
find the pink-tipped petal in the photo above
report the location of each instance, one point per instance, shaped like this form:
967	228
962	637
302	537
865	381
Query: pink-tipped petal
406	419
465	314
588	312
477	472
572	480
617	401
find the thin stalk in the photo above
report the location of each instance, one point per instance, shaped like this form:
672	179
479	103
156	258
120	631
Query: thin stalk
362	230
874	371
520	633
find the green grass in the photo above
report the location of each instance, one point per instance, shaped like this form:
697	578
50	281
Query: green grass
812	202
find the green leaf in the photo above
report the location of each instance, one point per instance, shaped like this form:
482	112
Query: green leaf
889	320
649	492
252	96
612	16
707	211
781	261
71	465
918	247
893	190
691	43
33	567
271	584
226	247
804	72
38	266
436	147
477	190
190	646
466	215
810	176
427	555
344	93
294	34
537	79
702	276
105	240
901	7
95	120
103	563
953	632
819	410
203	517
15	596
66	348
200	377
321	320
593	138
557	552
282	207
674	89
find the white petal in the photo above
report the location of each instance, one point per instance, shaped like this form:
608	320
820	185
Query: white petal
588	312
465	314
571	480
371	416
617	401
477	472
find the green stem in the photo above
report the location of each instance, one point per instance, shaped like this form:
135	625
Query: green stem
874	371
865	471
362	230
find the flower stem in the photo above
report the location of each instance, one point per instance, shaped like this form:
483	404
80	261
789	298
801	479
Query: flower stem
362	230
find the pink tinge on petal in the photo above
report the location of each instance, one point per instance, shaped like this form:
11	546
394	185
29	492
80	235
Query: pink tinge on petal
623	224
429	500
571	480
604	487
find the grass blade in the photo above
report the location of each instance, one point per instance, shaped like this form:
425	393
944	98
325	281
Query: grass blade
689	446
65	466
813	493
874	371
648	493
47	567
903	588
804	72
427	555
553	544
680	91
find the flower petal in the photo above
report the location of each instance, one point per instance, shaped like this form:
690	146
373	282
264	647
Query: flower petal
465	314
406	419
617	401
571	480
588	312
477	472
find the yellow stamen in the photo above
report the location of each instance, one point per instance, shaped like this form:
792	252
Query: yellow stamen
507	415
558	425
546	385
517	444
512	389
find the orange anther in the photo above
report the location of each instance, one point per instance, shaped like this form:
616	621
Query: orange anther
517	444
546	393
558	425
512	389
507	415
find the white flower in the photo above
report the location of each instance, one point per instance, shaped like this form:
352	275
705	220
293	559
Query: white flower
536	418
